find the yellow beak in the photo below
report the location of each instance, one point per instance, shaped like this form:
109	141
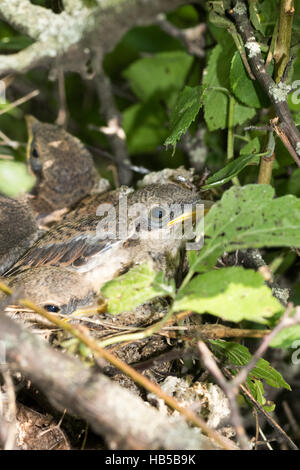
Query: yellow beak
191	214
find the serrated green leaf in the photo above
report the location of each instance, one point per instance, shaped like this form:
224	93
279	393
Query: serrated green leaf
254	17
239	355
246	90
134	288
216	101
183	114
257	390
233	294
249	217
14	178
230	170
161	76
287	338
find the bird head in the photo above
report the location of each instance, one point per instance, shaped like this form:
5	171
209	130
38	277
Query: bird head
63	167
56	289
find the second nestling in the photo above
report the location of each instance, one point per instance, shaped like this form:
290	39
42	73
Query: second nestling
63	167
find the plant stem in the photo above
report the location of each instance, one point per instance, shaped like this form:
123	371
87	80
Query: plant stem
230	135
267	161
282	51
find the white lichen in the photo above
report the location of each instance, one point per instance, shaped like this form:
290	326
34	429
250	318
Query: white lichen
280	91
253	48
240	8
298	148
206	399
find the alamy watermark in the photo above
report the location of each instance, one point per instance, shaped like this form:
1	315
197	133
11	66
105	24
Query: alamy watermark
163	222
296	354
2	353
295	95
2	92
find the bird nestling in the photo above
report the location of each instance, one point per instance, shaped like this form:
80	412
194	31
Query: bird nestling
18	230
63	167
89	246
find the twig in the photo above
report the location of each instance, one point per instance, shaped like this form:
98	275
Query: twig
63	114
122	418
277	93
114	129
265	439
213	368
11	410
7	141
292	420
260	408
20	101
125	368
285	321
192	38
70	38
230	135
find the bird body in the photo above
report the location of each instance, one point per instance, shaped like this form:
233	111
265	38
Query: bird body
56	289
101	247
18	231
64	168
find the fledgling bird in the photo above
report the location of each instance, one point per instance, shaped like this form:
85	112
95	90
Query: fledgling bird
18	230
103	246
89	204
56	289
64	168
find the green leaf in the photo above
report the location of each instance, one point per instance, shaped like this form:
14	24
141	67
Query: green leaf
287	338
183	114
233	294
257	390
14	178
134	288
254	16
294	183
246	90
230	170
144	125
15	43
249	217
239	355
161	76
215	109
216	101
253	146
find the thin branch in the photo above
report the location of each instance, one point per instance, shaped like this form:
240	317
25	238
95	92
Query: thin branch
122	418
279	431
123	367
277	93
213	368
192	38
20	101
285	321
114	129
71	37
11	410
63	112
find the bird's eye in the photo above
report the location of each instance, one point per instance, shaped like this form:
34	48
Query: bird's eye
52	308
158	213
34	153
